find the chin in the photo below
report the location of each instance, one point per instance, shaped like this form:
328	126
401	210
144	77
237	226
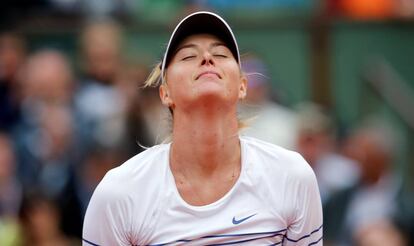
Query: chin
211	92
216	98
210	89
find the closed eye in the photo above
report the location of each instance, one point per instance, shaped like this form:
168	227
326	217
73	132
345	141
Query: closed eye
188	57
220	55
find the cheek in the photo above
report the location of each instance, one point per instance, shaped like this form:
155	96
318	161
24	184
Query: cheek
175	73
177	78
234	77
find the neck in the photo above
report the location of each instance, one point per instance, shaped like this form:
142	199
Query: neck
205	146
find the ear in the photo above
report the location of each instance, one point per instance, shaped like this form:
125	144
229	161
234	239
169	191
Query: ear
243	87
165	95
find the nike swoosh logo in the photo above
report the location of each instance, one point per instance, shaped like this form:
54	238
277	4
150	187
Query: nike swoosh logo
236	222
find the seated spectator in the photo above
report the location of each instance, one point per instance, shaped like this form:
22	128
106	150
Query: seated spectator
47	137
12	55
98	161
129	82
379	233
316	141
41	223
267	120
374	198
100	106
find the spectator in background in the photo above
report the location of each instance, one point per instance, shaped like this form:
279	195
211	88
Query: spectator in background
316	142
374	198
46	133
381	233
12	55
129	81
101	157
47	137
100	44
100	106
270	121
41	223
146	107
98	161
10	193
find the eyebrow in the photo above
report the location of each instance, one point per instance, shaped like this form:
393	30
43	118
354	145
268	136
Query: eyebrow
184	47
191	45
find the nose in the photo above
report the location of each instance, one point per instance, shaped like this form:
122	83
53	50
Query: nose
207	59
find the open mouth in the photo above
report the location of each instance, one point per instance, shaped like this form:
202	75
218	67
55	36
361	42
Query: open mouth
208	73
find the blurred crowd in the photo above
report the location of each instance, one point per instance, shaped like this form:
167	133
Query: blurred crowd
61	130
362	193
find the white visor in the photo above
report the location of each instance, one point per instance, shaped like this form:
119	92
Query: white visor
197	23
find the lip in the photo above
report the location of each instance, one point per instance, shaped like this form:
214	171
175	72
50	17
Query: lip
208	72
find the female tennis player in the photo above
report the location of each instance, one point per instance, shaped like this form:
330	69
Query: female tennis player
209	185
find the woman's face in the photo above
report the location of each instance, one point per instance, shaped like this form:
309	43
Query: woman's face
202	70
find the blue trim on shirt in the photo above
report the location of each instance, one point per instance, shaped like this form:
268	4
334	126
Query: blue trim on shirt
89	242
273	244
249	240
244	234
317	241
272	234
307	235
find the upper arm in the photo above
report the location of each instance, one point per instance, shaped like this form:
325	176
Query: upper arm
106	219
306	226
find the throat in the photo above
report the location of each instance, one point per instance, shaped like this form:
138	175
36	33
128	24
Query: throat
204	192
204	177
205	158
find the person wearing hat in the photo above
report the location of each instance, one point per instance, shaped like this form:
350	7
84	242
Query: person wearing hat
209	185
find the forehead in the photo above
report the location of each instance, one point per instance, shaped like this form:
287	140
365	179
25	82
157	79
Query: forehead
195	41
200	39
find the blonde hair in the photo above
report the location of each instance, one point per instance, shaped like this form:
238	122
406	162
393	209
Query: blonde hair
155	77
